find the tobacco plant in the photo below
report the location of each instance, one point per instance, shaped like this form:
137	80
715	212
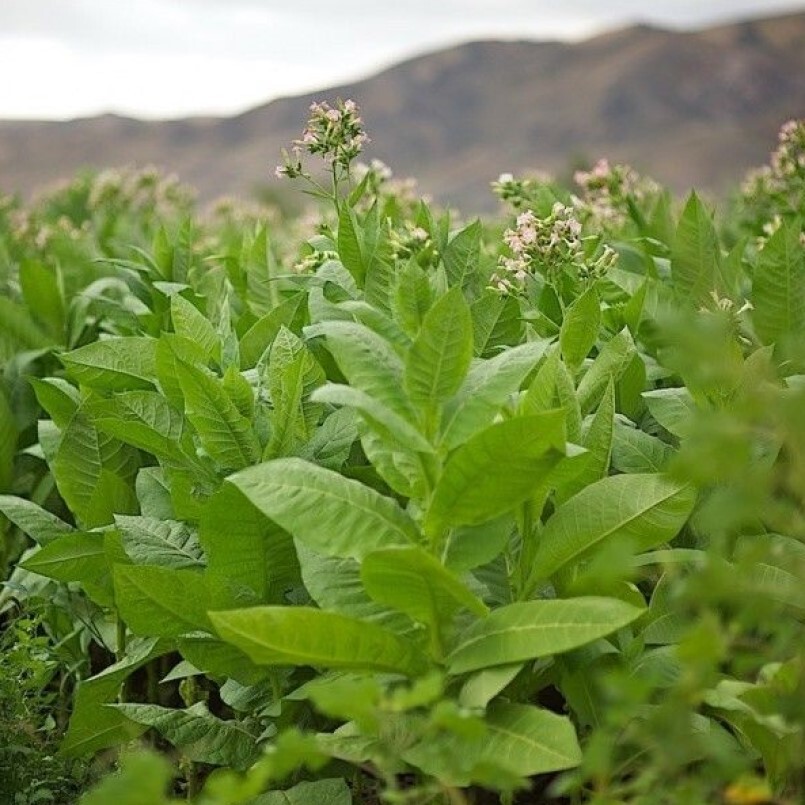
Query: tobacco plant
434	512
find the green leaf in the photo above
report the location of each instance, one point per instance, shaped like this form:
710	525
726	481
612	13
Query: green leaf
389	425
634	450
369	363
43	294
92	725
350	248
18	331
160	601
462	253
190	323
469	547
225	433
496	322
611	362
200	736
39	524
332	441
306	636
411	298
333	514
414	582
114	364
58	397
249	555
8	442
487	387
143	778
644	510
293	374
527	740
146	420
778	286
472	488
441	354
580	328
94	472
319	792
696	268
335	585
673	408
532	629
165	543
482	686
259	337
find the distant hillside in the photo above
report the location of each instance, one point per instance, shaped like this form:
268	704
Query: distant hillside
690	108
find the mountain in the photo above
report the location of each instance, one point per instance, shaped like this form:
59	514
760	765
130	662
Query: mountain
689	108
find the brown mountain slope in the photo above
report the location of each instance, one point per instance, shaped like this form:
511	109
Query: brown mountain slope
690	108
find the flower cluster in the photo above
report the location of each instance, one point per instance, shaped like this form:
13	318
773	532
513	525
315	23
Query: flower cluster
310	263
519	192
332	132
411	241
607	190
550	245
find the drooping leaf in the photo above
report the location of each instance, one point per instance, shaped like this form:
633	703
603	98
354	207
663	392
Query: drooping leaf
39	524
306	636
200	736
114	364
333	514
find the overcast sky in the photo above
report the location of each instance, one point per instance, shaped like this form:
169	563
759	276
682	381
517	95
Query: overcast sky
170	58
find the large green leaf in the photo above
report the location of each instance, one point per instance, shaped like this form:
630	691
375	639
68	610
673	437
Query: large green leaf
306	636
496	321
411	298
580	328
114	364
292	375
258	338
778	286
472	487
160	601
610	363
369	363
696	265
39	524
226	434
390	426
489	383
414	582
319	792
248	555
440	356
643	510
462	253
165	543
201	736
350	247
94	726
528	740
333	514
189	322
532	629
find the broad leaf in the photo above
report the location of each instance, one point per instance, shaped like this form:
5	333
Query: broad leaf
166	543
333	514
526	631
114	364
305	636
472	488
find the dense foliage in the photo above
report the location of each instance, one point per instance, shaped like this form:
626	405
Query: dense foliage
379	505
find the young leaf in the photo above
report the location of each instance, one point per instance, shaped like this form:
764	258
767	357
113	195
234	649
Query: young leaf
39	524
333	514
472	488
440	356
414	582
306	636
411	298
190	323
696	268
778	286
611	362
580	328
461	255
532	629
259	337
350	247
